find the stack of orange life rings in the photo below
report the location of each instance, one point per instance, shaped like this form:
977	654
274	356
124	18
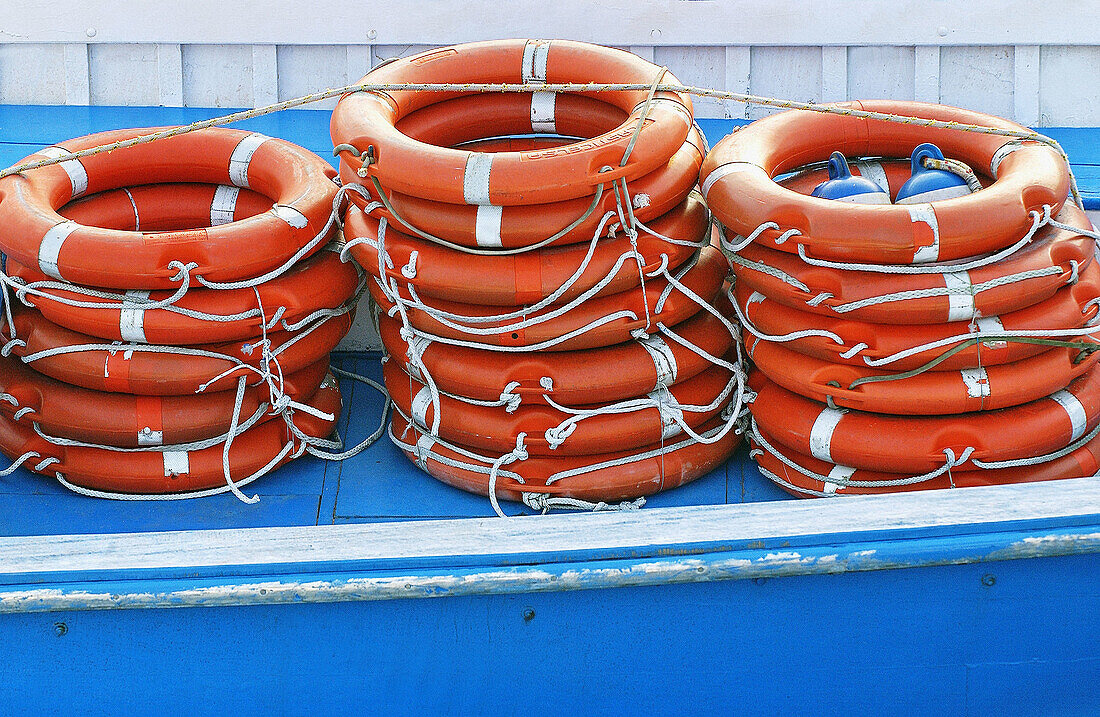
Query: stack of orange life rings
544	275
169	312
896	346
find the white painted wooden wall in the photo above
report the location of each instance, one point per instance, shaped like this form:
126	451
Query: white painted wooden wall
1015	58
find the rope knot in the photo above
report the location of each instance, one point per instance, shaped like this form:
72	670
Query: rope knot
409	270
511	400
520	451
183	271
556	435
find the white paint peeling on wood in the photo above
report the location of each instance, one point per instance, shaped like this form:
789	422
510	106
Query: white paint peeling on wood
664	531
897	551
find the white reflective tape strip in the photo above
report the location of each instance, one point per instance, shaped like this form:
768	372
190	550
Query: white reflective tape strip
487	225
999	156
133	204
224	204
755	298
542	112
176	463
148	437
423	450
668	103
925	213
49	249
242	157
78	176
131	318
420	403
669	413
937	195
290	215
875	172
535	56
417	346
663	359
475	180
1074	410
821	435
838	473
991	325
865	198
723	171
960	299
976	381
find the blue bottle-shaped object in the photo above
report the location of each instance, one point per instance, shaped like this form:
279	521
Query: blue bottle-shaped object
927	184
843	187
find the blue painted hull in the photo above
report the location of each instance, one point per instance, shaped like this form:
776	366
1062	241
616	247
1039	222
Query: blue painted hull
935	640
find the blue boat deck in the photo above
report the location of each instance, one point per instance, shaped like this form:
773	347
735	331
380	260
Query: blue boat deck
379	484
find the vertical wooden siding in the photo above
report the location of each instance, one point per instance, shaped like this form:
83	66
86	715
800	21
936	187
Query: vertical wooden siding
1046	85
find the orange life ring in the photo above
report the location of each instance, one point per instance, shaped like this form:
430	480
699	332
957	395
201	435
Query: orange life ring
166	207
589	478
298	182
917	444
1054	258
653	194
1085	461
982	388
575	377
166	374
403	164
737	180
125	420
1068	309
172	471
518	279
492	428
320	282
704	277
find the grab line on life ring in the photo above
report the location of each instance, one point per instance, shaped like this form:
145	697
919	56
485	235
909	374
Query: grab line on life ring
981	334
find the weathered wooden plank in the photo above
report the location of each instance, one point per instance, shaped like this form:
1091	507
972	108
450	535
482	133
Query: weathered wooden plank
738	67
978	78
834	74
169	75
1025	90
481	540
878	73
926	74
124	74
265	75
77	90
1070	86
217	75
